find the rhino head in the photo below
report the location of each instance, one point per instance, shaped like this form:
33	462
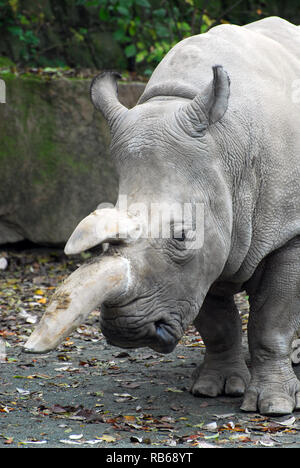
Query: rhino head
150	287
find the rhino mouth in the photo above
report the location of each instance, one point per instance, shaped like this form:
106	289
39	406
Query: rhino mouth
158	335
163	342
165	336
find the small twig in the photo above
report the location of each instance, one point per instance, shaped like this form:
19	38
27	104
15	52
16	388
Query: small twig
54	46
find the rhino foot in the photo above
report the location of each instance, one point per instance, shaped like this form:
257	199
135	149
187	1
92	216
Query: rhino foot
271	398
217	378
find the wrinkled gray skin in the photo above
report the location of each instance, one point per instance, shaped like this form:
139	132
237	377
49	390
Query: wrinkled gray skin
226	136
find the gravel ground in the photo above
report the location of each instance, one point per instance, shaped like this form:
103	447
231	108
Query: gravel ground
88	394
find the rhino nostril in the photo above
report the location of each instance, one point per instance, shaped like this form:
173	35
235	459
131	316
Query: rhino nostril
162	331
166	339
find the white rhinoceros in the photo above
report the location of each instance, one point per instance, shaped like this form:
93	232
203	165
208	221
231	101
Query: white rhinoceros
218	126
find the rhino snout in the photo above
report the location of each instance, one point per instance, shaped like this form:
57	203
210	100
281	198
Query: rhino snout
165	337
123	332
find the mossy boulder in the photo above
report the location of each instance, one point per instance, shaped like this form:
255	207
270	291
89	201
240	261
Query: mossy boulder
54	157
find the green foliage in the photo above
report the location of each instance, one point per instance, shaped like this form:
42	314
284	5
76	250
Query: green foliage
5	62
111	33
20	26
149	29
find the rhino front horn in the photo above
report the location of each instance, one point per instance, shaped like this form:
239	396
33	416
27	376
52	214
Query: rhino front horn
101	279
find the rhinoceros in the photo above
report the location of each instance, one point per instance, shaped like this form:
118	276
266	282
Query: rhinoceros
217	126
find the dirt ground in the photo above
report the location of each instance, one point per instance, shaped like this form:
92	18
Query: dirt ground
88	394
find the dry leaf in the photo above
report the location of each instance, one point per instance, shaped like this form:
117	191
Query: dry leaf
107	438
173	390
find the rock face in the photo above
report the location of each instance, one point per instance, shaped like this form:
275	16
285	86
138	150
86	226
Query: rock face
54	161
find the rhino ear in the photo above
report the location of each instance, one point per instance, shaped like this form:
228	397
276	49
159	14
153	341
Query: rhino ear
207	109
104	96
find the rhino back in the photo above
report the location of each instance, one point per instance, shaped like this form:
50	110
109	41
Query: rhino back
253	55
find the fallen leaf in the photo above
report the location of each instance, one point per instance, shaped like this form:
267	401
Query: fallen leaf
136	439
211	427
130	418
107	438
215	436
266	441
224	416
22	391
71	442
286	422
9	440
75	436
124	397
130	385
35	442
57	409
43	300
206	445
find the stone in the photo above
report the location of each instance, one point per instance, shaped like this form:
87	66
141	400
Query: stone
54	157
3	263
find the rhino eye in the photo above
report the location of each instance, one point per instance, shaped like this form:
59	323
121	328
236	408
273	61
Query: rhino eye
179	236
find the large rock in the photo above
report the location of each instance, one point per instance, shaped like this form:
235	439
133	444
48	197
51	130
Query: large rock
54	161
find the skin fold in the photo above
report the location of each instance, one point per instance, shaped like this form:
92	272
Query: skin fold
217	126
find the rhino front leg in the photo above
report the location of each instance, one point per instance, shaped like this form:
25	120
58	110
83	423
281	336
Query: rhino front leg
274	317
224	369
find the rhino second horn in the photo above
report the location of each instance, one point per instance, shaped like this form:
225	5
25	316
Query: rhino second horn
102	226
104	278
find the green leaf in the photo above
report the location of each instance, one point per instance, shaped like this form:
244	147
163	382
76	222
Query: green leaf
49	70
160	13
137	21
92	3
141	56
127	3
24	20
174	390
143	3
123	11
184	26
130	51
15	30
120	36
104	14
31	38
148	72
162	31
215	436
132	28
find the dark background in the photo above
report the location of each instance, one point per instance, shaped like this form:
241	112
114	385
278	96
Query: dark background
130	35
